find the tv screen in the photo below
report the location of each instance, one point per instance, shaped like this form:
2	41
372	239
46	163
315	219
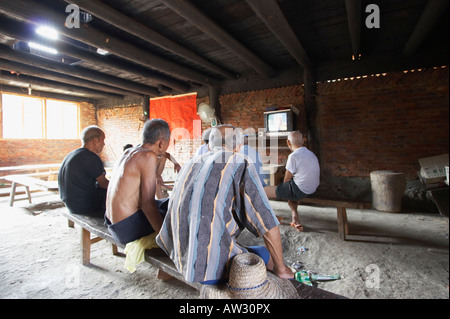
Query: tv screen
277	122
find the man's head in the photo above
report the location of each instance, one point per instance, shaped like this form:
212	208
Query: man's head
295	140
93	138
205	135
156	133
225	135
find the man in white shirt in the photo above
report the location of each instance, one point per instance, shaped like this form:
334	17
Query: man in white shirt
301	179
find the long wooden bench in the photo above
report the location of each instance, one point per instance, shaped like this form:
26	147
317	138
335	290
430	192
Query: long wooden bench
96	227
31	180
157	257
341	206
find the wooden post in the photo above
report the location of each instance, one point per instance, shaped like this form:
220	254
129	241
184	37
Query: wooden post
342	222
146	107
85	247
214	92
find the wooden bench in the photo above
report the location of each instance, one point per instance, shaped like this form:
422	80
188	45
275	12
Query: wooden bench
96	227
31	180
157	257
341	206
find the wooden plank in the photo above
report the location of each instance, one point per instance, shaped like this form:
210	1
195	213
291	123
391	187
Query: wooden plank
34	11
37	81
353	8
272	16
85	247
94	226
31	167
33	181
308	292
27	63
336	202
434	10
27	181
159	259
210	27
20	31
341	206
130	25
342	222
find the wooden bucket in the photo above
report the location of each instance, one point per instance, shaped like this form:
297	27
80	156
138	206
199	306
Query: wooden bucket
387	190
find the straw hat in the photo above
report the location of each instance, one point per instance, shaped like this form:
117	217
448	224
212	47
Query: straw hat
249	280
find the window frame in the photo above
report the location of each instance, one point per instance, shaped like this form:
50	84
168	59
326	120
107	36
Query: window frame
44	121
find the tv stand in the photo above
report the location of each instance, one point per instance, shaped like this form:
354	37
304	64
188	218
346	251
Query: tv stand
277	134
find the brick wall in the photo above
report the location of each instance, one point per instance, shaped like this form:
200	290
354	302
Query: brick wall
365	124
124	126
383	123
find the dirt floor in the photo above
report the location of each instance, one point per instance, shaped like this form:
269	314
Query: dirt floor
388	256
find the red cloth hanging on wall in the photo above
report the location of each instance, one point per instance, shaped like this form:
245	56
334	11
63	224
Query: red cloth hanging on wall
180	112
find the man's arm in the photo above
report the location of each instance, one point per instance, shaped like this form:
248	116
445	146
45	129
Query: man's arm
287	176
102	181
148	169
177	166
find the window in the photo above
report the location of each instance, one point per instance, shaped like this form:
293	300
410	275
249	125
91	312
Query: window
37	118
62	120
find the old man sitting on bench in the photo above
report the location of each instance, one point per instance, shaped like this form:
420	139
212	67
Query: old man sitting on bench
217	195
131	209
301	179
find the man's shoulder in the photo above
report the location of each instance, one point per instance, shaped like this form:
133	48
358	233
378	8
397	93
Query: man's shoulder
142	156
81	154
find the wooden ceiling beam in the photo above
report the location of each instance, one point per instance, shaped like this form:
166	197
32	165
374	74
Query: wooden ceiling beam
27	63
49	95
430	17
33	11
44	83
192	14
20	31
270	13
124	22
353	8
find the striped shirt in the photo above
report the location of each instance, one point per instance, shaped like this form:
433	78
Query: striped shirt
217	195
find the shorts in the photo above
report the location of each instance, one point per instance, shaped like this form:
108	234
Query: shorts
290	191
135	226
261	251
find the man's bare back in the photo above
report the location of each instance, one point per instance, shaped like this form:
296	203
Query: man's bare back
133	185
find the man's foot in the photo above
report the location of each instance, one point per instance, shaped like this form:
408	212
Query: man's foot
297	226
163	275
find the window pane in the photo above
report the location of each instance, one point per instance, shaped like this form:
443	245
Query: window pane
62	120
12	116
22	117
32	118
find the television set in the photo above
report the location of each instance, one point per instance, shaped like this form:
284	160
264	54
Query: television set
280	122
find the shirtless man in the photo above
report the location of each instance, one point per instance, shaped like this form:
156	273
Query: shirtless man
131	209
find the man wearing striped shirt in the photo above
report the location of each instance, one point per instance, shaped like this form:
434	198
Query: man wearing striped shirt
217	195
